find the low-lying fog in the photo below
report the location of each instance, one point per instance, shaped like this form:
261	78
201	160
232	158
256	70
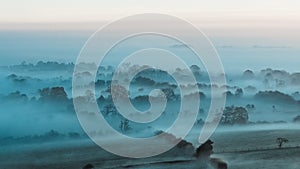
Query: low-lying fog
37	102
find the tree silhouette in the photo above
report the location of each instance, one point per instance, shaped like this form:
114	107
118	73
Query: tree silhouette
281	140
53	94
250	107
234	115
296	119
124	125
239	92
109	109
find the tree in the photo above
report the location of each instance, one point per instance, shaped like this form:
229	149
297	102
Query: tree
124	125
250	107
248	74
169	93
274	96
90	96
296	119
199	122
17	96
228	94
74	135
109	109
234	115
53	134
53	94
250	89
281	140
239	92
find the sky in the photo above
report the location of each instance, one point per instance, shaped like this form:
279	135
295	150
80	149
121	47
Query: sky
95	10
243	32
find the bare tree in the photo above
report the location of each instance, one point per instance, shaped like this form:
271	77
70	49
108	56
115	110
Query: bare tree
109	109
124	125
281	140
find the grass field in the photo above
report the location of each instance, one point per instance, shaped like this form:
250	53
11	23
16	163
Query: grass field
241	149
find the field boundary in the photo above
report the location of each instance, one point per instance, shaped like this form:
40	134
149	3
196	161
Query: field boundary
255	149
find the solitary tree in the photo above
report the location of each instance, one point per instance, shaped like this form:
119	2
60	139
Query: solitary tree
109	109
281	140
124	125
239	92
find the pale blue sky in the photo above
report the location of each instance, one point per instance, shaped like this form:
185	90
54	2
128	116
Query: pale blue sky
35	29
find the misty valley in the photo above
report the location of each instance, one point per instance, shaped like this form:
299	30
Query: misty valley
39	126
